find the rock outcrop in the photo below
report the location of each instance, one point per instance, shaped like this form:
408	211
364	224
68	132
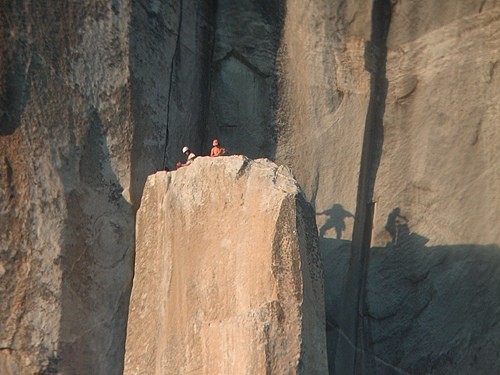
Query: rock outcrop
386	111
228	278
67	225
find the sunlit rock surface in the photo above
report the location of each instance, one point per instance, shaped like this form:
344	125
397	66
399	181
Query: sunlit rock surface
228	278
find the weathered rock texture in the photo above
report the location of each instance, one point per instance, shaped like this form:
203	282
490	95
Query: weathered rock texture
67	229
389	110
170	50
384	110
429	309
228	278
87	90
243	88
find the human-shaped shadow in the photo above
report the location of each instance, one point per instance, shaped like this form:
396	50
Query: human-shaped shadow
337	215
397	226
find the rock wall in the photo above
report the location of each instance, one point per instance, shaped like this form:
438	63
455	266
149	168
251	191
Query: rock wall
386	111
67	229
170	53
87	90
228	278
243	82
324	93
389	112
429	309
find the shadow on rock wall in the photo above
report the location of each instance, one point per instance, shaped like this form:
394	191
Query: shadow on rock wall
13	93
96	263
429	309
336	219
243	81
170	50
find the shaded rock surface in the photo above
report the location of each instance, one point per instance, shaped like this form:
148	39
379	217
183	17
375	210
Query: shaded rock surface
86	89
425	74
429	309
228	278
67	223
243	81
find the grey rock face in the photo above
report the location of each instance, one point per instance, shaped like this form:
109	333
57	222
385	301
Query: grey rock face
95	96
243	81
429	85
86	90
429	309
170	54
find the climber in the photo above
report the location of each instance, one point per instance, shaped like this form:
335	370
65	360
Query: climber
217	150
190	157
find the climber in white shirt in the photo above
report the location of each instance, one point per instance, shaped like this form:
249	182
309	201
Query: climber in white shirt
190	157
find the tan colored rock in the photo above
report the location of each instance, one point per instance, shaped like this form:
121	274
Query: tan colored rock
67	230
93	93
227	276
324	94
443	109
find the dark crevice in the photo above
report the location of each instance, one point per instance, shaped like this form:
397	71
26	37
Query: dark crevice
491	71
14	90
408	94
482	6
209	73
315	188
331	325
244	167
353	321
172	67
243	60
225	125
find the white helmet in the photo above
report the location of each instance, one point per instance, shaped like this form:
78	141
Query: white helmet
185	149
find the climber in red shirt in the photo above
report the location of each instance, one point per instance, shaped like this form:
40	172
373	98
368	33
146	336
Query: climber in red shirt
217	150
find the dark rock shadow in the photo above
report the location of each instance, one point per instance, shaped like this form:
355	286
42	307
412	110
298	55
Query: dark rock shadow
335	255
336	219
429	309
96	261
350	356
14	90
244	82
169	84
397	226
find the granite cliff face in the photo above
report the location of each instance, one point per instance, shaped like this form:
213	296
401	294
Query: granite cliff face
67	223
228	277
88	100
390	124
386	112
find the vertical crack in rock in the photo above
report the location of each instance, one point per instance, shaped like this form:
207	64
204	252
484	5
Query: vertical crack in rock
209	74
172	67
349	360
